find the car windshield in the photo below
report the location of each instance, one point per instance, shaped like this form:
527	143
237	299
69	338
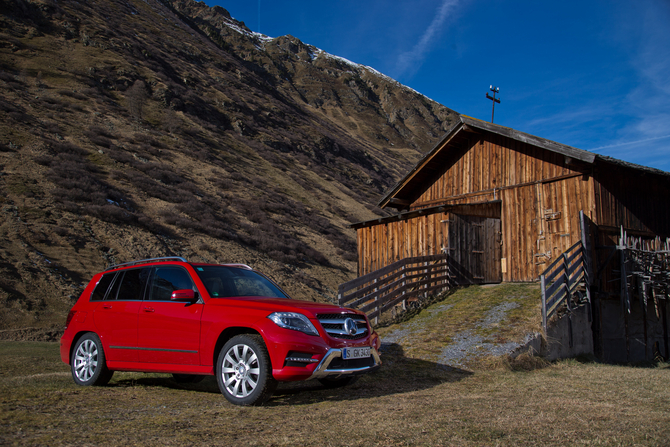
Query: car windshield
221	282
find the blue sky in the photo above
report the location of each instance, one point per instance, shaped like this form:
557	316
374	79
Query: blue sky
591	74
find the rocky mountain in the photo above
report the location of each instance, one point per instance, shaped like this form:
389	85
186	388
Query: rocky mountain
144	128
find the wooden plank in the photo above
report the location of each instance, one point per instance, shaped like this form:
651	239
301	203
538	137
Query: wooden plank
560	282
386	285
391	268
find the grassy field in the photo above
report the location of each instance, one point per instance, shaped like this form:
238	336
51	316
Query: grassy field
408	402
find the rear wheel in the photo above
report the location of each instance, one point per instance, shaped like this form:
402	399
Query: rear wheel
244	371
88	362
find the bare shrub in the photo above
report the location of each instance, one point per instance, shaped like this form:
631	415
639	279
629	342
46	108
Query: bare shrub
119	155
223	183
100	140
64	232
136	96
160	172
239	177
171	121
97	130
67	147
7	77
73	94
20	116
99	136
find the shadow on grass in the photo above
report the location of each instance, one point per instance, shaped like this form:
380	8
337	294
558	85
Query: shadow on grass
398	374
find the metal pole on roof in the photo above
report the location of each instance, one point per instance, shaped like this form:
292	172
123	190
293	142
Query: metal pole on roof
493	98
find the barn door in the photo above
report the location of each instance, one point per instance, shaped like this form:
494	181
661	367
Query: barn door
556	233
474	248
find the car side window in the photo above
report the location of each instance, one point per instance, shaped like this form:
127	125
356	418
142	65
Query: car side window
133	284
102	286
129	285
168	279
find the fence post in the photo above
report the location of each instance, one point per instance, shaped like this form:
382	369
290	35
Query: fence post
544	304
568	296
402	286
426	275
376	303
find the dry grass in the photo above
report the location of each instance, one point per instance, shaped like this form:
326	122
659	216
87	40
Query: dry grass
409	402
435	327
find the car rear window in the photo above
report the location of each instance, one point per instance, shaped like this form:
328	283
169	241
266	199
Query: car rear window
129	285
102	286
222	282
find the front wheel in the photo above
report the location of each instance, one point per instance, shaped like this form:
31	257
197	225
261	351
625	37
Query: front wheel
88	362
244	371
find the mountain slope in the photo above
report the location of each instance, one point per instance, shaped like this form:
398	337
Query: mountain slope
134	129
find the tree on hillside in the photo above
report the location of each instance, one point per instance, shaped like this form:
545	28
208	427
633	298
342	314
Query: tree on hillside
136	96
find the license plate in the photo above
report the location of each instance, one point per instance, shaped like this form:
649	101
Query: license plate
356	353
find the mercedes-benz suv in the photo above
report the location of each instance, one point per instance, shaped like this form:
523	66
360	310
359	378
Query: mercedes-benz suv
168	315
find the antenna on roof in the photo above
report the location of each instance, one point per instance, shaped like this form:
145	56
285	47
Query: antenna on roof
493	98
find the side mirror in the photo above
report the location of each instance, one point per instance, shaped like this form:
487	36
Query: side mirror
186	295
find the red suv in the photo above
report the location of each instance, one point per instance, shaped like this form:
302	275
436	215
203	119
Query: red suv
171	316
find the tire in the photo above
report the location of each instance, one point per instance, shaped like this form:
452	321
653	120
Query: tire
337	383
88	363
244	371
187	378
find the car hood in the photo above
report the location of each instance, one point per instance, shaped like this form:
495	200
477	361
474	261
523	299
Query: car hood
308	308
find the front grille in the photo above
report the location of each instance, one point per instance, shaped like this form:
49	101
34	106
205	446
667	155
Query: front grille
333	324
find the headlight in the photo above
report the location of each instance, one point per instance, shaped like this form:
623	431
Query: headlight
295	321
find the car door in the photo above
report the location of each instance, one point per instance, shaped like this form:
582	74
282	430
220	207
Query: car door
116	315
169	331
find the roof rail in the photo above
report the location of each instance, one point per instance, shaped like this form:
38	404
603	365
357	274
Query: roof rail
244	266
144	261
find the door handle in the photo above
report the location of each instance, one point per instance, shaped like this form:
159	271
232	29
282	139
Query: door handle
149	309
106	306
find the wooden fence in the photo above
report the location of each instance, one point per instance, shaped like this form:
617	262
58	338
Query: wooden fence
408	278
645	269
561	280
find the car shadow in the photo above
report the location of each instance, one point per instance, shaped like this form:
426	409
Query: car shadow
398	374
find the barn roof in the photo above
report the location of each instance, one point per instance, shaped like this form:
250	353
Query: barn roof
456	138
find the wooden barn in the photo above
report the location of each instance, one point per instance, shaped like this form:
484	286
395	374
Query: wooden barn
504	205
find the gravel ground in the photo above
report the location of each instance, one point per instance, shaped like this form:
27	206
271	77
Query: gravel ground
467	345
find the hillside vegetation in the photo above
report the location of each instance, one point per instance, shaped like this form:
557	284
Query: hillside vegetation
135	129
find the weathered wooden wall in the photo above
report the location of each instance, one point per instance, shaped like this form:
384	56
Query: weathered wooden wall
540	222
638	201
384	244
492	163
535	188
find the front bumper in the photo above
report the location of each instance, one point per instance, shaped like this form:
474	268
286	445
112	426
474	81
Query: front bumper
332	368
